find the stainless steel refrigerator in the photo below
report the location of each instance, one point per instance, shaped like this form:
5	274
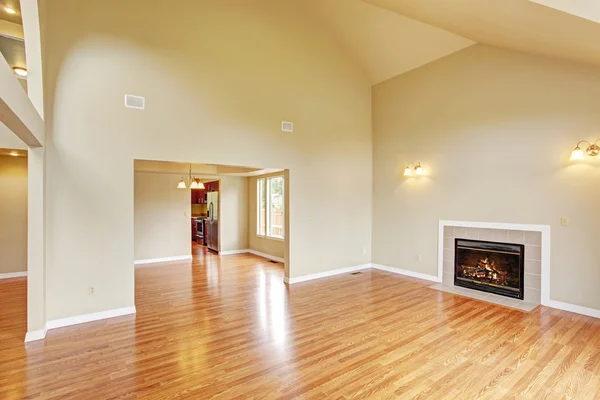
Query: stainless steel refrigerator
212	221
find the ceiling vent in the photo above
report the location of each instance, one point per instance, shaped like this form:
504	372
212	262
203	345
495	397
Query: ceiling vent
287	126
132	101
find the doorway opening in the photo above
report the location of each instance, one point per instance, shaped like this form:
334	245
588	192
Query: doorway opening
13	243
184	211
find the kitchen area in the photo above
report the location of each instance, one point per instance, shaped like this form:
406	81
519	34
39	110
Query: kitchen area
205	215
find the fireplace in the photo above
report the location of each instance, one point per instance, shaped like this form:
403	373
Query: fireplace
490	267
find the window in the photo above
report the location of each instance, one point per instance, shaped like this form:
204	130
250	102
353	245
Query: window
270	207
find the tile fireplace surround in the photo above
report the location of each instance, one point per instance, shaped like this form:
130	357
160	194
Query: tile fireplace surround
529	235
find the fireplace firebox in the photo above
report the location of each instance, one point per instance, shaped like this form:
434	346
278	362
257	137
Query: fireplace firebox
490	267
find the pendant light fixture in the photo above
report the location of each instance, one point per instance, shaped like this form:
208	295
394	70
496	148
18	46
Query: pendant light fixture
193	182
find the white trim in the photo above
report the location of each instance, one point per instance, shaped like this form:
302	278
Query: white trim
162	260
81	319
496	225
11	275
326	274
232	252
591	312
267	237
35	335
407	273
265	255
546	257
543	229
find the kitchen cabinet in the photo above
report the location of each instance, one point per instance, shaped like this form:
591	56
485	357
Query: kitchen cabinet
198	196
194	229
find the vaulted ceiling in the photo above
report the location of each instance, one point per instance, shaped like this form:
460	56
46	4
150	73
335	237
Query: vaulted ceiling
383	43
557	28
386	38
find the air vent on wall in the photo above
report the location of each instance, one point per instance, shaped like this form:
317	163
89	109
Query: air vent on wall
287	126
132	101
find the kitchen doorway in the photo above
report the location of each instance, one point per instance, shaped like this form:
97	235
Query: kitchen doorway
188	210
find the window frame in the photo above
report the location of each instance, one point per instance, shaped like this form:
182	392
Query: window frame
260	201
266	182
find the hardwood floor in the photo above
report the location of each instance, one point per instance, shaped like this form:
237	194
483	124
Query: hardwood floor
229	328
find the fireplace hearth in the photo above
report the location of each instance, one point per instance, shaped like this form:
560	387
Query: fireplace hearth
490	267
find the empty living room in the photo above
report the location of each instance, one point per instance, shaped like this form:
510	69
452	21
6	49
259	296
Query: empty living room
356	199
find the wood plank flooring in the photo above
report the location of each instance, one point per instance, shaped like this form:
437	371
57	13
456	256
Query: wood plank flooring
228	328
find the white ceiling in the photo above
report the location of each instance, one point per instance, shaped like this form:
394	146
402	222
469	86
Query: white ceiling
383	43
521	25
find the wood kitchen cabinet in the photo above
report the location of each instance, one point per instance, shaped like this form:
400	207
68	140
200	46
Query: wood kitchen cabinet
198	196
194	229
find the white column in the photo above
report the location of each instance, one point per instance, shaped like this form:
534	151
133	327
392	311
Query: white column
36	249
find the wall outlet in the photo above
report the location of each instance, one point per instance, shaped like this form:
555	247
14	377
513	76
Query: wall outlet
564	221
91	290
364	251
418	258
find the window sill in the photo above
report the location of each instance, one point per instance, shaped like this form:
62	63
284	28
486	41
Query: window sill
277	239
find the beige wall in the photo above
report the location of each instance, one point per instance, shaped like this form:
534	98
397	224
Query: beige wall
162	221
233	222
218	80
13	214
272	247
494	130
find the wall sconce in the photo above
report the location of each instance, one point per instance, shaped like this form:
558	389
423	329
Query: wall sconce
593	150
417	169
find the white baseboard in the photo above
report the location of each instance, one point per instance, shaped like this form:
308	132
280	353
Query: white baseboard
326	274
11	275
78	319
162	260
419	275
232	252
590	312
81	319
35	335
265	255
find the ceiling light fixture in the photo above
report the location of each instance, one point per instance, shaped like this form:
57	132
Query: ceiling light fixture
593	150
9	10
20	71
417	169
193	182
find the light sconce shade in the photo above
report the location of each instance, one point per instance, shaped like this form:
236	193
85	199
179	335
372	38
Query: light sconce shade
577	154
411	169
593	150
194	183
418	169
